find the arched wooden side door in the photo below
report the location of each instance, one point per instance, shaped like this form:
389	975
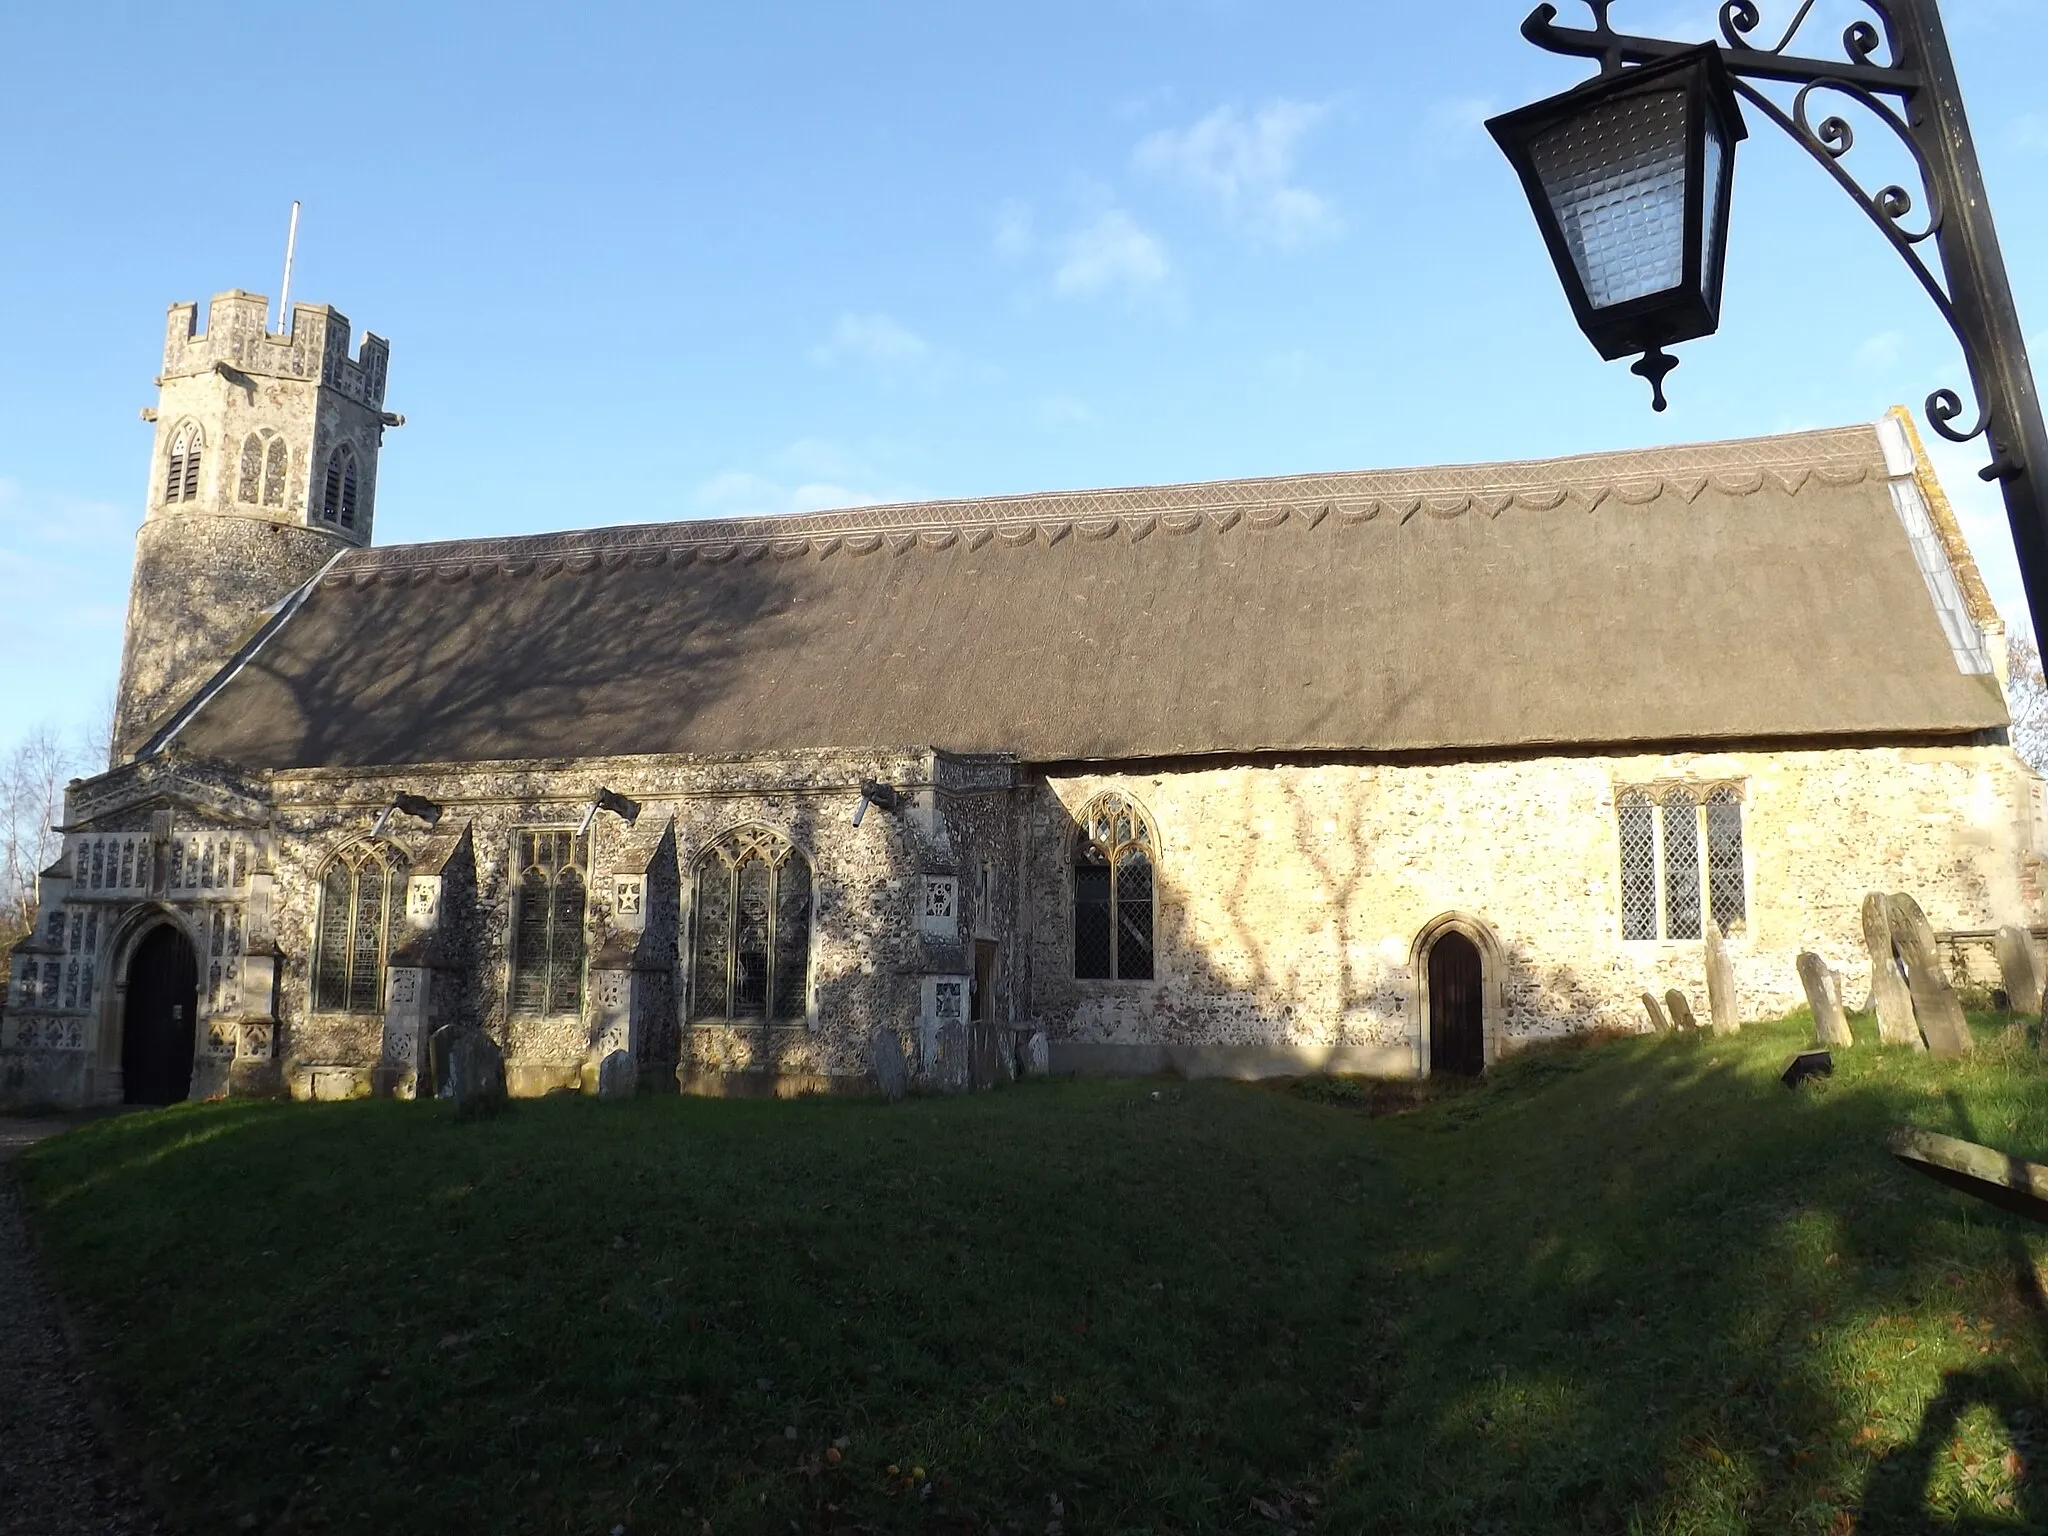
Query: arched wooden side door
159	1019
1457	1040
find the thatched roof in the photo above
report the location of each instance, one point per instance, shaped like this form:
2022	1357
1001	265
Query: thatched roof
1745	590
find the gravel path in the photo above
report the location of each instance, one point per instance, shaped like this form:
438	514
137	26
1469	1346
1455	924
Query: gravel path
56	1478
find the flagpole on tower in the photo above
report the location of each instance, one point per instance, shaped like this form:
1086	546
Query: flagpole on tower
284	299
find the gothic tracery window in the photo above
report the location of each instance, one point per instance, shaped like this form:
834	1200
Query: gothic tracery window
751	957
1681	861
362	902
1114	854
547	937
266	464
338	489
181	468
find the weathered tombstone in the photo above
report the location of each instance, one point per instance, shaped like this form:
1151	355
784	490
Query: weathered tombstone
1829	1027
1936	1008
885	1060
1681	1010
1655	1010
1889	997
476	1070
617	1076
1720	983
1037	1054
2016	965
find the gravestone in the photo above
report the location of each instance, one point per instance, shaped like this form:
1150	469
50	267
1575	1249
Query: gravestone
1656	1012
2016	965
617	1076
1829	1027
1936	1008
1720	983
1037	1054
476	1069
885	1060
1681	1010
1889	997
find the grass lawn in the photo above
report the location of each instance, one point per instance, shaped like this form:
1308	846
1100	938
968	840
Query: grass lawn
1632	1287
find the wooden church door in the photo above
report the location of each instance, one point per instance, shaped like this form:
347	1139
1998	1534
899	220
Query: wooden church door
159	1019
1457	1043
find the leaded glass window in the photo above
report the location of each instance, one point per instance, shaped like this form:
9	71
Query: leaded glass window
361	907
1681	861
338	489
1726	893
1114	889
547	933
751	956
1681	865
1638	826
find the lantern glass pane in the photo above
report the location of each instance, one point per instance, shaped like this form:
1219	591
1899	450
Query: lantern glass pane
1615	177
1710	238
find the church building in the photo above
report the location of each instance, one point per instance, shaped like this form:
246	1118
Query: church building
1383	771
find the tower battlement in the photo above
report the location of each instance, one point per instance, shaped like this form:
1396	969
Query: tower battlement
314	349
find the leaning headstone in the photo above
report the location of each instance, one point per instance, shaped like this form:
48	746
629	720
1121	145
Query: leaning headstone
1829	1027
1936	1008
617	1076
1037	1054
1654	1009
1720	983
2016	965
476	1070
1889	997
885	1060
1681	1010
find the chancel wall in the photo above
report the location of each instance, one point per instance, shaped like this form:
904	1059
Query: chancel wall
1290	895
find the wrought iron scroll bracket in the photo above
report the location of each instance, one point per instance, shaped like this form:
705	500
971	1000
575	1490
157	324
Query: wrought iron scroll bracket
1869	72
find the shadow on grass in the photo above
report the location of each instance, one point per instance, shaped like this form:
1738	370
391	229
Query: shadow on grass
1640	1287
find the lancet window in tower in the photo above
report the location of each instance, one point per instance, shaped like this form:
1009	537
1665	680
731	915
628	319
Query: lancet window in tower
181	468
547	934
362	902
1114	853
338	488
751	955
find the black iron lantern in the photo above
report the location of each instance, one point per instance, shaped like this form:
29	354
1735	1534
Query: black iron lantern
1629	175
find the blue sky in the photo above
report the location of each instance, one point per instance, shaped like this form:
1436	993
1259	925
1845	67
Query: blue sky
652	262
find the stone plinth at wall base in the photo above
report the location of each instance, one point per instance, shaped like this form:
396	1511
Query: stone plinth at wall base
329	1082
255	1079
530	1080
1074	1058
770	1085
53	1079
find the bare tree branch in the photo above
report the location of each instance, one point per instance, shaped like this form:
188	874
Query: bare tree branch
2027	698
32	779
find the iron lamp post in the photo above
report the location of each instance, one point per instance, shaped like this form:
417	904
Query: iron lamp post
1630	174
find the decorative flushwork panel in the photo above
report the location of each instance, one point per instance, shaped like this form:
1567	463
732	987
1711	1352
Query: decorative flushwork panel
208	862
115	863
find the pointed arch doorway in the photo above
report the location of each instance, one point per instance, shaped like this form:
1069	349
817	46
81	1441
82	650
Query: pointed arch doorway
159	1018
1457	1038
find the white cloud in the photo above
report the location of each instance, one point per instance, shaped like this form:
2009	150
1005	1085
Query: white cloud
1245	166
1015	236
897	354
807	476
1112	252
